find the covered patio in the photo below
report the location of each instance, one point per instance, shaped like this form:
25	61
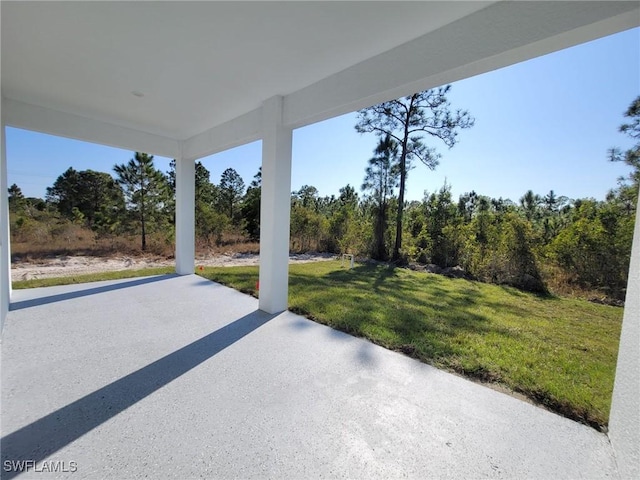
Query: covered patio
188	79
179	377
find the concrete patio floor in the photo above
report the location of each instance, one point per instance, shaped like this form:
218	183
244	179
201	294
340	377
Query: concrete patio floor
179	377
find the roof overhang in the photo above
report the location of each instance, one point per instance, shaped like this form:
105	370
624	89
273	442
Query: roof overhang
204	69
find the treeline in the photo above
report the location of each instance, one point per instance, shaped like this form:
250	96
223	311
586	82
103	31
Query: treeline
529	244
539	243
138	201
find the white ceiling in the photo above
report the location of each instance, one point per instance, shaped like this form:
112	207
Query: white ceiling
198	64
201	65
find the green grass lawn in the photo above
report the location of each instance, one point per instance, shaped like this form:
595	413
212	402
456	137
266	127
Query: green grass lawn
559	352
91	277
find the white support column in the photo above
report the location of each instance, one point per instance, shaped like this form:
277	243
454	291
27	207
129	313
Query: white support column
624	418
5	248
185	216
275	208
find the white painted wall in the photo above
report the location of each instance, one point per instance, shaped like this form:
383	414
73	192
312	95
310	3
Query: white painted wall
275	208
185	216
624	419
5	248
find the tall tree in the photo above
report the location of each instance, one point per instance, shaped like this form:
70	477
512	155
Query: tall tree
440	212
550	201
345	234
348	196
251	206
64	191
629	186
145	188
467	205
15	192
381	178
231	191
209	221
94	195
530	202
202	176
307	196
409	120
16	197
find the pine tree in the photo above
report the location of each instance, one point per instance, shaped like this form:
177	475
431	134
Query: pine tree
408	121
381	178
145	188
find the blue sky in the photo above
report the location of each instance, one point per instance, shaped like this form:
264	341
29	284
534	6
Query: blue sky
543	124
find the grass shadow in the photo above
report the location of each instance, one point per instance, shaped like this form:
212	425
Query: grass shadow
83	292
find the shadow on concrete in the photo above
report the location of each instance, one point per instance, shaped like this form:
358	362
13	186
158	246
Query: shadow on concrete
35	302
38	440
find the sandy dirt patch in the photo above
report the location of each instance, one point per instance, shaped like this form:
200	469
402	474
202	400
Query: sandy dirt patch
65	266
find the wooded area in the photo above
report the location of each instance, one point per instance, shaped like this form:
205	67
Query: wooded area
541	242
